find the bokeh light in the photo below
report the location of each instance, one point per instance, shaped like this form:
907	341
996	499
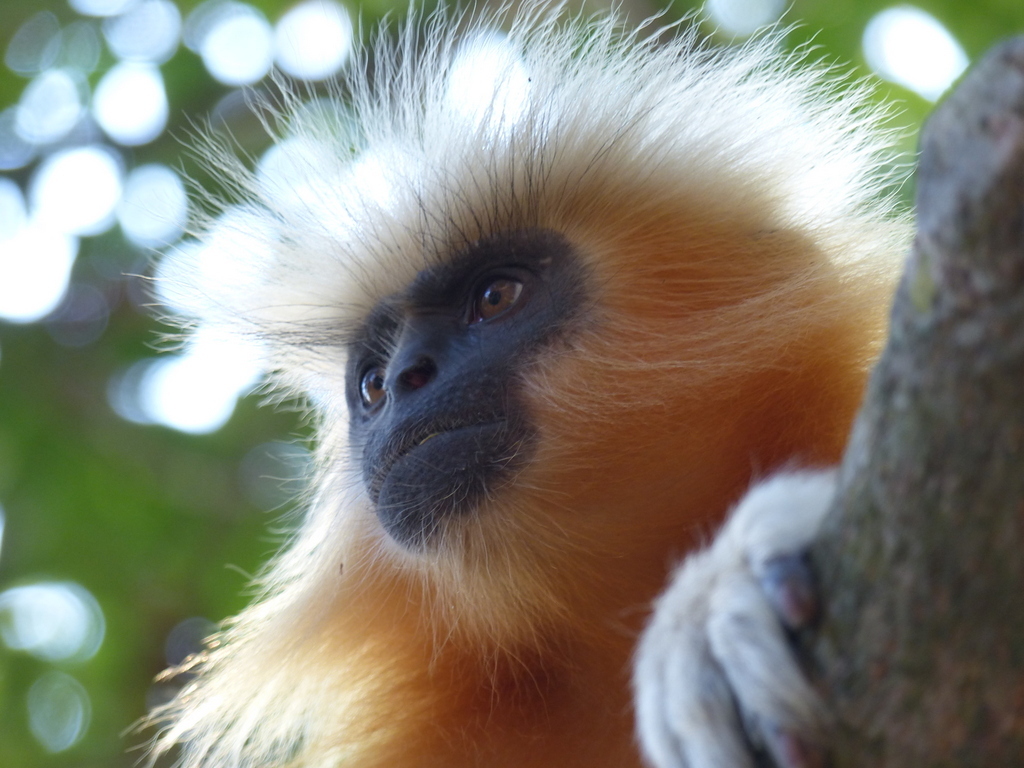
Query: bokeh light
910	47
35	45
15	151
123	392
59	710
149	31
488	82
291	173
231	253
80	46
13	215
81	317
75	191
53	621
153	210
51	106
131	104
35	269
313	39
743	17
195	391
234	40
100	7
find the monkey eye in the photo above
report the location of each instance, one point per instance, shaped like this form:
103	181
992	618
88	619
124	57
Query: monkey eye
371	387
495	298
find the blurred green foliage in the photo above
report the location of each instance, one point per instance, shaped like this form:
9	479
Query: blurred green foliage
154	523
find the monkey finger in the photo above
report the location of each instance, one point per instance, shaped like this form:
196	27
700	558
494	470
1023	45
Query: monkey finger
750	646
788	750
779	516
698	717
658	738
789	584
686	716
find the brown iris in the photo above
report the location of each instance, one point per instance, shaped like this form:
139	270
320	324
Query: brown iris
371	386
496	298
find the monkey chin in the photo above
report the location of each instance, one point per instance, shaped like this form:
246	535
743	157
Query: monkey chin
445	476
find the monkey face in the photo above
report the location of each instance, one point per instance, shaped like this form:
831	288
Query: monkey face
433	380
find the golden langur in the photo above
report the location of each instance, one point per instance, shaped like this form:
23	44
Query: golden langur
549	336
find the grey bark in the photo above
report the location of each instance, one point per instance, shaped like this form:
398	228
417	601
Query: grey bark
921	651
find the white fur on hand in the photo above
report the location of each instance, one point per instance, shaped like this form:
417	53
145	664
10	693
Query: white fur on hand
715	656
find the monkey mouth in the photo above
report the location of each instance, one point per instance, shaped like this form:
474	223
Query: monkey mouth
436	474
420	442
456	446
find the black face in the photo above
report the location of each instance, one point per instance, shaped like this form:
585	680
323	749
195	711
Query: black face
432	378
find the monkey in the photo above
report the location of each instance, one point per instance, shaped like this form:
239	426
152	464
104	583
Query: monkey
547	342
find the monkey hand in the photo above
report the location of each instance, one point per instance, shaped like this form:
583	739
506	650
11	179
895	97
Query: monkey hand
717	681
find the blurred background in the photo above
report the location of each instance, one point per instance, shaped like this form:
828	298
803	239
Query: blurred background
139	492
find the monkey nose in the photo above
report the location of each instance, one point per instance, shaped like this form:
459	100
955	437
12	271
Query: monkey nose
417	375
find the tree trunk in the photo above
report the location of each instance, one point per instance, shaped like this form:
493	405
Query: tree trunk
921	652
